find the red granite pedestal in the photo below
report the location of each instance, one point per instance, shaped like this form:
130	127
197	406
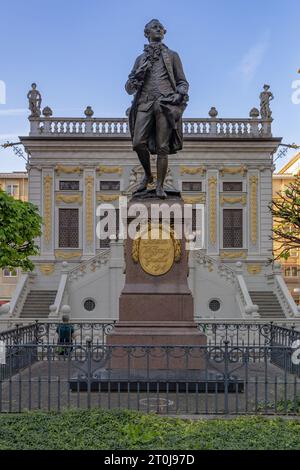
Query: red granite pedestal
156	311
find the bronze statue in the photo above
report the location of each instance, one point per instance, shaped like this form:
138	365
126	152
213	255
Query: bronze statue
158	82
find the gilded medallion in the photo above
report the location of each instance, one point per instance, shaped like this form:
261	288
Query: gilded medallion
158	251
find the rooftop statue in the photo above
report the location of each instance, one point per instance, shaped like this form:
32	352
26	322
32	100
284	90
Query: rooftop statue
160	89
35	101
265	97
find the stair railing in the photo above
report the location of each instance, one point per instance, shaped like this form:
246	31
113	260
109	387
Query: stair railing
19	296
68	276
287	303
236	277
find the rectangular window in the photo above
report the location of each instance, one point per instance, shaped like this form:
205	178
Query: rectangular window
191	186
292	271
68	228
9	273
106	242
109	185
196	226
12	189
232	186
232	228
69	185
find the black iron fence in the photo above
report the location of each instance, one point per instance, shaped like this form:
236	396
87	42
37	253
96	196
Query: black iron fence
244	368
212	379
238	334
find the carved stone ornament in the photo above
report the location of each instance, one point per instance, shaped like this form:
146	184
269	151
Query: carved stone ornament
89	205
89	112
69	198
47	268
254	269
185	170
47	111
156	255
253	209
212	183
201	199
107	197
213	113
234	199
233	170
110	170
254	113
67	254
67	169
47	208
233	254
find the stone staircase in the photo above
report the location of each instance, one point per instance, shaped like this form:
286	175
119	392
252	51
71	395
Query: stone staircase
269	306
37	304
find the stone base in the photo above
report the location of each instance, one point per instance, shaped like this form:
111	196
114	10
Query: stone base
184	339
156	307
163	381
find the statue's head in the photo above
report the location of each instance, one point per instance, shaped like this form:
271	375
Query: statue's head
33	86
154	31
266	87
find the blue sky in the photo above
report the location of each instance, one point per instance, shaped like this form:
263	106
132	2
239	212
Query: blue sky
80	53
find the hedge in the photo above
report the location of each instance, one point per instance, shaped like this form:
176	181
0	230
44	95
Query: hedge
118	429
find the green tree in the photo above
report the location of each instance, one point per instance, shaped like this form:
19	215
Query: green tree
285	209
20	224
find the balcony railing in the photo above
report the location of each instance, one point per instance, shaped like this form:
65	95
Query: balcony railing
119	128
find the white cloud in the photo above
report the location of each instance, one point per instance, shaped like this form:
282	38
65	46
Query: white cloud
253	58
14	112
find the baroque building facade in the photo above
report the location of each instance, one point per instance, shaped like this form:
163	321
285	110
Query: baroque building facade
226	165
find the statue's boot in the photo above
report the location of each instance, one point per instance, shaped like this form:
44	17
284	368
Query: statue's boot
160	192
162	167
148	179
144	157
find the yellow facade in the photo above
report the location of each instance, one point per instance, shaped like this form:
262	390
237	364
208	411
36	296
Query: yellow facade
291	267
16	184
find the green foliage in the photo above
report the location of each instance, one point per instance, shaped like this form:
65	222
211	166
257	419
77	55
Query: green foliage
282	406
20	224
123	429
285	209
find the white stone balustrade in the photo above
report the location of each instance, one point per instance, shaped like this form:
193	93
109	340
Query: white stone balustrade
119	127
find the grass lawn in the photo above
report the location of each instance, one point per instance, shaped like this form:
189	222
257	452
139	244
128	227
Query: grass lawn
112	430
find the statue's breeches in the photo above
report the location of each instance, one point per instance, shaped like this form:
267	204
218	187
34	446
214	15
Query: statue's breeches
152	125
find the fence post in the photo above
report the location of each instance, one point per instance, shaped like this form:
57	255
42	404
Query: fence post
36	332
17	335
271	333
89	370
226	376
